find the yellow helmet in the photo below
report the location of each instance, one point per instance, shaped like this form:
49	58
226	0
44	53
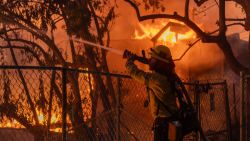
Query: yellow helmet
161	53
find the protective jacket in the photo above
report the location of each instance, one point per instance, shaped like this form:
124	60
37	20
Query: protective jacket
159	86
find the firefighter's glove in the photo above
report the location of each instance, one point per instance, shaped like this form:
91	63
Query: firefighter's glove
129	55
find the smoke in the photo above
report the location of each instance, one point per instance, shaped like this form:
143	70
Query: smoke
202	59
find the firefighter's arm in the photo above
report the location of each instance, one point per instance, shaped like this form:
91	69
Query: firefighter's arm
135	72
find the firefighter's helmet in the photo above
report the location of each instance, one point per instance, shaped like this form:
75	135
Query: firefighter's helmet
161	53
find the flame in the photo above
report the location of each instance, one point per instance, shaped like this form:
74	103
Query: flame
56	114
6	123
189	35
42	118
168	36
148	31
54	118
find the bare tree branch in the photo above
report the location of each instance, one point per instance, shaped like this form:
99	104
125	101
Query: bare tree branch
33	44
5	108
245	4
230	19
26	49
38	34
200	2
52	81
32	106
205	37
241	24
187	9
222	18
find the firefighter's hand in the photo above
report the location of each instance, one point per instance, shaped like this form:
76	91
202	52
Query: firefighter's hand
129	55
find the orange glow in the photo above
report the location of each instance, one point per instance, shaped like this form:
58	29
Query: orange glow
168	37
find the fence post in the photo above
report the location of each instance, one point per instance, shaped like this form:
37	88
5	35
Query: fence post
227	111
246	82
197	106
242	109
119	85
64	103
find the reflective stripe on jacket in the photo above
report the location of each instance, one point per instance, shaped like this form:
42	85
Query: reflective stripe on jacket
159	86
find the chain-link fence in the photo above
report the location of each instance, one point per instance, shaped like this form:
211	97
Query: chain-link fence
34	99
43	103
31	98
210	99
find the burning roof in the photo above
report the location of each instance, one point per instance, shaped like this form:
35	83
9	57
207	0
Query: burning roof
163	33
174	27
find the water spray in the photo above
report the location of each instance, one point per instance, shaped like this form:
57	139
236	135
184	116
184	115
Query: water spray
116	51
142	59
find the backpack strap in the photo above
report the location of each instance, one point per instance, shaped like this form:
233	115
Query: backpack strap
181	92
178	87
148	91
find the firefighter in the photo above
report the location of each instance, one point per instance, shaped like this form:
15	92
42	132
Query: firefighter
161	96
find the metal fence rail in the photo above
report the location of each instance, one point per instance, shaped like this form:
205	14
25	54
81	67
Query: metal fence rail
66	104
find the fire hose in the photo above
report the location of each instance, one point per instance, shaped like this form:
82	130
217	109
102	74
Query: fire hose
144	60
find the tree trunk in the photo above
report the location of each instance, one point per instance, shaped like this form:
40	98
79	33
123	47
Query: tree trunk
103	92
229	56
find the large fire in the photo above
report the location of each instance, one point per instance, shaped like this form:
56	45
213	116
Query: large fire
41	118
86	86
10	124
168	36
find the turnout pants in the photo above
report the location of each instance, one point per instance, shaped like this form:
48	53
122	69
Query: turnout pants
165	130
